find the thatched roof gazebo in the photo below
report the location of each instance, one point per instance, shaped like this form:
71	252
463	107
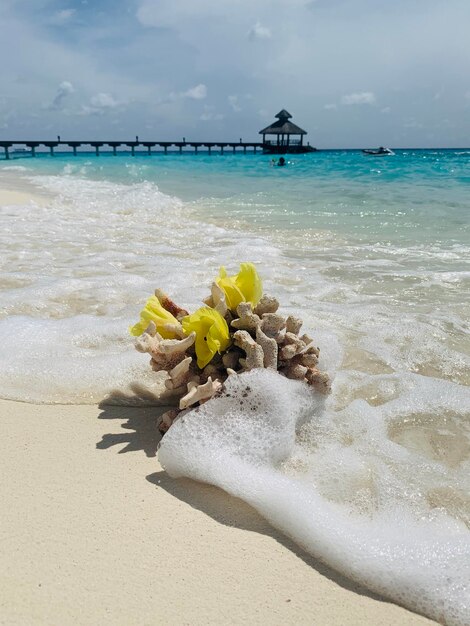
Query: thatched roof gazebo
283	130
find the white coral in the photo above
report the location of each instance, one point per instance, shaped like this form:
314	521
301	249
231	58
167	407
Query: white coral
217	299
263	339
267	304
247	320
181	375
254	352
200	393
269	347
273	326
165	353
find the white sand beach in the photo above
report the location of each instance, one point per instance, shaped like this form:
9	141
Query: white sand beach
93	532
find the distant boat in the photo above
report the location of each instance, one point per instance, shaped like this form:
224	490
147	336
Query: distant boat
379	151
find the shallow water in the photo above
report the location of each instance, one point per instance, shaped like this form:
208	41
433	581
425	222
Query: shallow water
373	254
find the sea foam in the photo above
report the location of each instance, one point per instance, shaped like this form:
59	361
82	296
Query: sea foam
336	484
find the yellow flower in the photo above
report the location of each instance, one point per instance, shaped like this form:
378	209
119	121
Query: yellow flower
212	333
154	312
245	286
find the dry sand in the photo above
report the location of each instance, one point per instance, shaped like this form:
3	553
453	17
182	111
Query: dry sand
92	531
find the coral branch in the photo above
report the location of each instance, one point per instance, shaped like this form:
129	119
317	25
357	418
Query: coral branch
259	337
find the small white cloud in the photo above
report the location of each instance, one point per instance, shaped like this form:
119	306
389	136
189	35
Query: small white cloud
64	89
62	17
259	32
363	97
100	103
234	103
103	101
385	110
209	114
199	92
331	106
467	95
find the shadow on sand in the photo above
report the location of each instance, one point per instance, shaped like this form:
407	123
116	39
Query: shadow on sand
230	511
140	424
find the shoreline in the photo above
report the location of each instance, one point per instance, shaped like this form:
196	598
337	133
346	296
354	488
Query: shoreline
16	188
93	531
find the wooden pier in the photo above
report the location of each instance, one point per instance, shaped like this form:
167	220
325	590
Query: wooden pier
18	148
283	131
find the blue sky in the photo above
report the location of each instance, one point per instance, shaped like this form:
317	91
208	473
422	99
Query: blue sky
353	73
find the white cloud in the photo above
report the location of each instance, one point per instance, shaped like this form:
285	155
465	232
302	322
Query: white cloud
62	17
199	92
385	110
104	101
362	97
64	89
331	106
209	114
100	103
233	102
259	32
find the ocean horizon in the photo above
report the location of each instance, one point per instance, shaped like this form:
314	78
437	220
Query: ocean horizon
372	253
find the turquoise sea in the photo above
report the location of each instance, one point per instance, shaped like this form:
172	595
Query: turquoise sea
372	252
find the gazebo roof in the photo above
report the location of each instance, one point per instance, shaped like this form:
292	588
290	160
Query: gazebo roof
283	126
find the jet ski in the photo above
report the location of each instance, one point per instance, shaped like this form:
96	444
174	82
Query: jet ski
379	151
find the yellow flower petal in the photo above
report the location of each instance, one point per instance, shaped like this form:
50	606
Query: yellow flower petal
249	283
246	286
212	334
154	312
233	295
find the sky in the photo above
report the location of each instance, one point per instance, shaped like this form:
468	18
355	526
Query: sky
353	73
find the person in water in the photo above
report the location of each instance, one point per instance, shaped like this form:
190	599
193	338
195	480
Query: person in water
281	162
